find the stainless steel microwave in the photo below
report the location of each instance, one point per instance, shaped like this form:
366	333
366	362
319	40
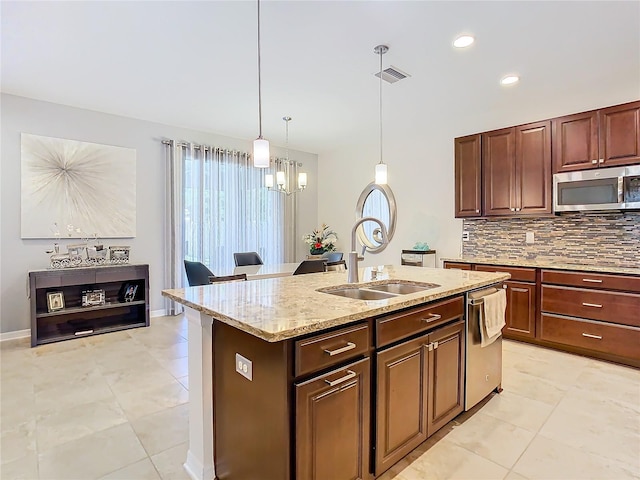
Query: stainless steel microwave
614	188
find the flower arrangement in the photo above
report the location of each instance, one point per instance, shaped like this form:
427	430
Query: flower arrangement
321	240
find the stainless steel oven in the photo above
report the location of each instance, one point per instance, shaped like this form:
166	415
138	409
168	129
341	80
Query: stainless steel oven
616	188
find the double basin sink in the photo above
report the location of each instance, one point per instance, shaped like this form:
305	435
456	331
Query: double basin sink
379	290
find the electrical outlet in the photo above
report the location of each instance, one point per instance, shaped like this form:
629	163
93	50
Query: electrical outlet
528	237
465	236
244	367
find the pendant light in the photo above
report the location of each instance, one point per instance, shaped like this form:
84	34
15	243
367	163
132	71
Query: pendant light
260	145
289	168
381	167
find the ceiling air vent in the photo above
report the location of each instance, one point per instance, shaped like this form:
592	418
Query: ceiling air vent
392	74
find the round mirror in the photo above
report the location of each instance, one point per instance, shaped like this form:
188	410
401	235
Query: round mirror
376	201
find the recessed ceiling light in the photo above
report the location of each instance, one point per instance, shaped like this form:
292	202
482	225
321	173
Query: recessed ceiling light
463	41
510	80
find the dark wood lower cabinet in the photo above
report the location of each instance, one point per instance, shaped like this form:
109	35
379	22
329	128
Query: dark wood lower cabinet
402	400
332	425
520	316
419	390
446	377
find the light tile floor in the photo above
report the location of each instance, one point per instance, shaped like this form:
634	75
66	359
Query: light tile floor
114	406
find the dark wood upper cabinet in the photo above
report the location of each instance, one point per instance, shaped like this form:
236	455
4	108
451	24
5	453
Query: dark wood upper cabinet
605	137
516	166
575	142
468	182
620	135
498	171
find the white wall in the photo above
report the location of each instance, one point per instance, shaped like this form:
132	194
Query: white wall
421	166
22	115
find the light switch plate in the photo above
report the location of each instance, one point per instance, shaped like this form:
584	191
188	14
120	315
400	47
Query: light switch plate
244	367
528	237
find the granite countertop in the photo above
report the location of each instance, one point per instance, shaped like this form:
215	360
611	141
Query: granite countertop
558	264
276	309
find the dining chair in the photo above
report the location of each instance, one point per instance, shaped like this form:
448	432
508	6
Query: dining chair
332	256
310	266
228	278
197	273
339	265
247	258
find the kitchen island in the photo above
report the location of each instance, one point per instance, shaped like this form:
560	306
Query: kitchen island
288	370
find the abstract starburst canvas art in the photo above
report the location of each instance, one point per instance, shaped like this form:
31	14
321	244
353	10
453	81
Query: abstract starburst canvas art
87	185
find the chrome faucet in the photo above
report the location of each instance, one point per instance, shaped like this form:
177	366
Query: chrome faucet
353	258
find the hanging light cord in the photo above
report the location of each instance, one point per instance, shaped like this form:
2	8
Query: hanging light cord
287	119
381	53
259	76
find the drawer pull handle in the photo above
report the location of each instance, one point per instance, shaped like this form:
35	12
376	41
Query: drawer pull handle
588	335
590	280
515	289
346	348
348	376
597	305
432	317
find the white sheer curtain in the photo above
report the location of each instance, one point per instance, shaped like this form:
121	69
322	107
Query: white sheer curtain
219	205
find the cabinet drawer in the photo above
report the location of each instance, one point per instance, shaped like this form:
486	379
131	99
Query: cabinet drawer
64	278
519	274
592	280
614	307
331	348
403	324
457	266
597	336
121	274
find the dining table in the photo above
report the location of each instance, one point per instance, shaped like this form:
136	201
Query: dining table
259	272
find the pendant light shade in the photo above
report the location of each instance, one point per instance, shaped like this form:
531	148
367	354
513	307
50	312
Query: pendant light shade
260	145
381	167
381	174
261	153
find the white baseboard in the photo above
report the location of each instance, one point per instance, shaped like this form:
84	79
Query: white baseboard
15	334
158	313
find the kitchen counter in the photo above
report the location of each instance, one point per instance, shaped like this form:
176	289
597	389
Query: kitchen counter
547	263
276	309
267	314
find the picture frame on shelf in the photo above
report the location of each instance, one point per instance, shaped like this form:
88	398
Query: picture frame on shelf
128	292
55	301
92	298
119	254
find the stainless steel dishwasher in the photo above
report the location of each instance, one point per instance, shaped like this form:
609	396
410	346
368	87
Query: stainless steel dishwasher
483	364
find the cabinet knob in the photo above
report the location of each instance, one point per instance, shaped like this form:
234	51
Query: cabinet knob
512	209
594	161
477	211
517	209
601	160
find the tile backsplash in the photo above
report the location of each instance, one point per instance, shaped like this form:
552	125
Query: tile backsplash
593	239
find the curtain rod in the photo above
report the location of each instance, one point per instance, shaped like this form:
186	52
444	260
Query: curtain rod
205	147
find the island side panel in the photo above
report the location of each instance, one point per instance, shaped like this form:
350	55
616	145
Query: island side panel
251	417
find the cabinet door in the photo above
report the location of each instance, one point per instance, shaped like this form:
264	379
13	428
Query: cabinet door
575	142
468	179
620	135
521	310
498	172
332	424
446	377
401	416
533	168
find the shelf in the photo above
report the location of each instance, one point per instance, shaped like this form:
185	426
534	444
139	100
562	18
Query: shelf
56	336
106	306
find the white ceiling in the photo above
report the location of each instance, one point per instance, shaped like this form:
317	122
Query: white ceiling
194	64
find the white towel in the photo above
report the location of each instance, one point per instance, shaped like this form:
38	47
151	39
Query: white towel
492	317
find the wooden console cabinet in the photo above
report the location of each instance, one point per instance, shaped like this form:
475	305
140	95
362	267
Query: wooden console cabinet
74	320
